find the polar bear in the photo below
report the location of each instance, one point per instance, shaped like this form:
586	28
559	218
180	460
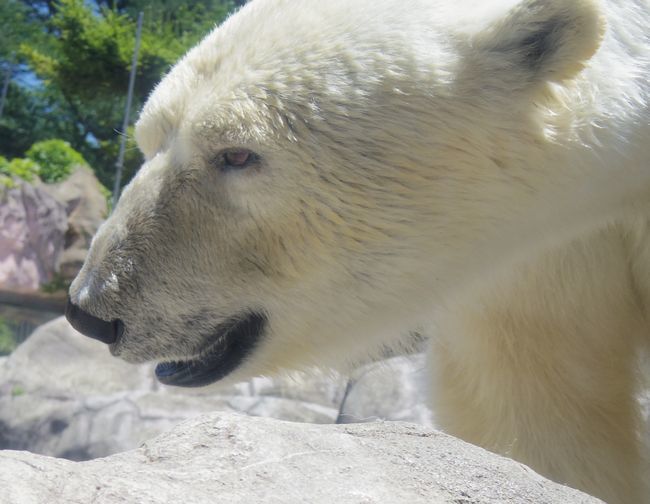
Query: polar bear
323	177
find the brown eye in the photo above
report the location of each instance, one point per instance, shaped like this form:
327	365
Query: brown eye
238	158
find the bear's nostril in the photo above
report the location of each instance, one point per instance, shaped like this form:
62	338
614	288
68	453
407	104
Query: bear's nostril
91	326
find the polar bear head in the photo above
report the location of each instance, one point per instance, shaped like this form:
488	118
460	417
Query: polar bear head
318	175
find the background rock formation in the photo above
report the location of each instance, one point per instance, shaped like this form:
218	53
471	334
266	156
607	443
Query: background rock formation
45	233
64	395
32	227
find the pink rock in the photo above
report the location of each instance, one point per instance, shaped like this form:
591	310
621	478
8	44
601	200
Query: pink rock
32	230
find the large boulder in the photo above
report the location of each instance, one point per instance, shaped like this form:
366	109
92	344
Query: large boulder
32	228
391	389
45	233
86	206
227	458
47	228
63	394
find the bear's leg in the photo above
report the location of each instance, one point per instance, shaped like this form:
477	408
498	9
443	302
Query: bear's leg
542	368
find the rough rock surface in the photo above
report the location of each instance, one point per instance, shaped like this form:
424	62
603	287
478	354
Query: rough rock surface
63	394
47	228
32	226
226	458
392	389
45	233
86	208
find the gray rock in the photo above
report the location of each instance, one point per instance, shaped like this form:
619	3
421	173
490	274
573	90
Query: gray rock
225	458
55	394
63	394
56	359
392	389
86	207
32	228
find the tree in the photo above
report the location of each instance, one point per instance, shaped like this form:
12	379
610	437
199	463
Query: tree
17	28
81	53
32	114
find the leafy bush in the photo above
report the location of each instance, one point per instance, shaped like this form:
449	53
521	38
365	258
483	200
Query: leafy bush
56	159
25	169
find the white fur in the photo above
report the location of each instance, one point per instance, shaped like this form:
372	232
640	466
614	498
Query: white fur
480	168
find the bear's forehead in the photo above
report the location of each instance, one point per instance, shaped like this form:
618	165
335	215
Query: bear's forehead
209	121
280	55
227	85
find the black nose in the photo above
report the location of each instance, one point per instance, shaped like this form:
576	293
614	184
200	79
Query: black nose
91	326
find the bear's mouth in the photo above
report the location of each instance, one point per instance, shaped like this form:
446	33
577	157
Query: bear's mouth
234	340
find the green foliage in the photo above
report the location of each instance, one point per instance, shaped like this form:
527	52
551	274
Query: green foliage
25	169
16	28
57	284
82	52
5	180
180	24
7	340
56	159
132	158
108	195
93	52
17	391
34	114
50	160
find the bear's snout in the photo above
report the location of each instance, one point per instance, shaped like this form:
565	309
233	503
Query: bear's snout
106	331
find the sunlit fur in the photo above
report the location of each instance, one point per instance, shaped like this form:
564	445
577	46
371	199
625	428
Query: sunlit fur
474	168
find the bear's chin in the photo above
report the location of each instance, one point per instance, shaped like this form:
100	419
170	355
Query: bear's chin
234	340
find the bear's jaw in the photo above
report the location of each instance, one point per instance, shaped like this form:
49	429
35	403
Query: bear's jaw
232	342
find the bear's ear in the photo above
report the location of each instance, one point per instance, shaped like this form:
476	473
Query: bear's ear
543	40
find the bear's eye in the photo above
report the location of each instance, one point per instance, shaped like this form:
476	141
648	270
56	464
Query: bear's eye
238	158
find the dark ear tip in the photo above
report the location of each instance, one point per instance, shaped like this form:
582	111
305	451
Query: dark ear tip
551	40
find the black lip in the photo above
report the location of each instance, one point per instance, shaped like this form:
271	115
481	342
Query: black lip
236	339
